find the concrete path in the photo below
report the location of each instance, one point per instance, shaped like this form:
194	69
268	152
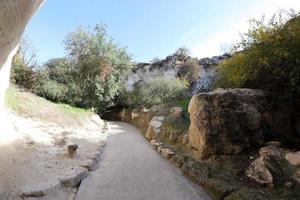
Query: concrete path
130	169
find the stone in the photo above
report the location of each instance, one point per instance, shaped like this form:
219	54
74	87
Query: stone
72	150
270	151
140	119
89	164
176	112
196	170
184	139
152	142
296	176
258	172
293	158
160	110
227	122
154	127
14	17
274	143
167	153
74	177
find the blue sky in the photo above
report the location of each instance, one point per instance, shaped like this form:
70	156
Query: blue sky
150	28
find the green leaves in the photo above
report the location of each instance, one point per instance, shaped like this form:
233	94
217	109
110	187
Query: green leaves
267	58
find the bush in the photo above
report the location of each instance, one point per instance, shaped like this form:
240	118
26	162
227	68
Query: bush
267	58
156	91
98	66
22	71
50	89
190	70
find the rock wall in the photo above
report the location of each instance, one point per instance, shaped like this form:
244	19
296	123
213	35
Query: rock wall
14	16
169	68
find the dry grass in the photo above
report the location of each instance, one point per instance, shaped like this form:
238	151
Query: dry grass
31	106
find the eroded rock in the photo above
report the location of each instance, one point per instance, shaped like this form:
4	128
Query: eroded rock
73	177
176	112
293	158
227	121
259	173
154	128
167	153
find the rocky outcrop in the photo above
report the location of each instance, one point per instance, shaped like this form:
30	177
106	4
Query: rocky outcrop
227	121
14	15
169	68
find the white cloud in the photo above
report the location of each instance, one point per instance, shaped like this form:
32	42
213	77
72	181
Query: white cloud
224	38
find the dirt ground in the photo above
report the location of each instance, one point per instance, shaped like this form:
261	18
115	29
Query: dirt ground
34	163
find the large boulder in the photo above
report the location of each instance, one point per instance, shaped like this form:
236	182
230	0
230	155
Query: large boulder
227	121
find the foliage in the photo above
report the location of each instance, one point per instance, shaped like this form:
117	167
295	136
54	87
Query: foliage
267	58
23	64
90	76
98	66
190	70
183	104
182	54
50	89
156	91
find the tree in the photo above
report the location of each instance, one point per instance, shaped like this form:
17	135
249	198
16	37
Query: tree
182	54
99	66
156	91
24	62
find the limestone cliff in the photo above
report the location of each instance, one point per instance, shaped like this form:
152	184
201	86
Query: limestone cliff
169	68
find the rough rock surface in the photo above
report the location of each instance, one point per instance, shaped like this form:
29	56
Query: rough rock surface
293	158
154	128
169	68
14	16
226	121
259	173
167	153
271	168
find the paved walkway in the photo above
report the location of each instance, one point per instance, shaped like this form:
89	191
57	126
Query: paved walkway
130	169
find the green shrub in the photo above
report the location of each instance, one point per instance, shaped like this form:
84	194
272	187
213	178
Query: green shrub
50	89
98	66
22	71
190	70
157	91
183	104
267	58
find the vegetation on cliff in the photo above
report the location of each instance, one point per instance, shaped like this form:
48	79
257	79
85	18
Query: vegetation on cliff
267	58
